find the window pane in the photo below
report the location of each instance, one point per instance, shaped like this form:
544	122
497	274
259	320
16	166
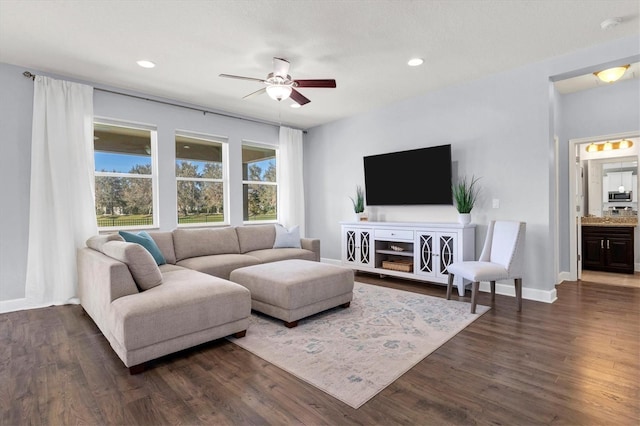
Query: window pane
260	202
123	201
198	158
120	200
122	149
258	164
200	202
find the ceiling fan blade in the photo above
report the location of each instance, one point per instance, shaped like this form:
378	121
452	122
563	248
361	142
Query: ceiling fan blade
298	97
280	67
329	83
239	77
256	93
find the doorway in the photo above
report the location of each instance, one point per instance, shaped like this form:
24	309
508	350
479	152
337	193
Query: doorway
579	197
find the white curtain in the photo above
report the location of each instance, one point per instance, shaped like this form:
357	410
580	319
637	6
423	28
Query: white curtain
61	211
290	179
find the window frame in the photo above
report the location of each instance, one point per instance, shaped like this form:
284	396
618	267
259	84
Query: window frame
208	138
153	147
275	148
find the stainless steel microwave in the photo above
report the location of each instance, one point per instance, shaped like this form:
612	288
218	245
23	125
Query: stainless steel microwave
619	196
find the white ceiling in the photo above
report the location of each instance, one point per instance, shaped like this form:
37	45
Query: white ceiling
363	44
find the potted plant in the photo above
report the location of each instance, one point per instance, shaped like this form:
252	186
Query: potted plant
358	203
465	194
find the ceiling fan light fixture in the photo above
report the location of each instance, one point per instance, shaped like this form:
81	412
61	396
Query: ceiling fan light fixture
278	92
612	74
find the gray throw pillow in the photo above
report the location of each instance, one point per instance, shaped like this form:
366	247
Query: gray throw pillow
287	238
97	241
141	264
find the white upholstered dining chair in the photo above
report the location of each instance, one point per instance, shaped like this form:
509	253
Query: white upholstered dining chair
502	258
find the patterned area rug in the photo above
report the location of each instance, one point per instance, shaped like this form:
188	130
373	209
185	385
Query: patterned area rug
354	353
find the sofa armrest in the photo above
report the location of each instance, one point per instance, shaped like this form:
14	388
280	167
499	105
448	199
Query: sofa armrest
101	280
312	244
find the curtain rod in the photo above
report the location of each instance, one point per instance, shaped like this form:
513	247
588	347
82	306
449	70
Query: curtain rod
204	111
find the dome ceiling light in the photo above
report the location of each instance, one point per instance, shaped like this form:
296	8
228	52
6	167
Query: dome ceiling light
612	74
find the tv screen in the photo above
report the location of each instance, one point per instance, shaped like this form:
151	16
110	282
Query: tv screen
415	177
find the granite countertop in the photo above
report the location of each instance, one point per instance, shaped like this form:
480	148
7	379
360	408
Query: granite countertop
610	221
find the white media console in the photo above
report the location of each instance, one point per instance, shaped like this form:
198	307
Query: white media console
417	251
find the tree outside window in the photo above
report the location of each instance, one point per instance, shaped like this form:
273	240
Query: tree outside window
201	182
260	187
124	175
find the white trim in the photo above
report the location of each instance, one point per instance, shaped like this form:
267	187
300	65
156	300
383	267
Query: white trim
14	305
573	252
546	296
564	276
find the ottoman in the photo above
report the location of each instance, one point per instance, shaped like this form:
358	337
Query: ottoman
293	289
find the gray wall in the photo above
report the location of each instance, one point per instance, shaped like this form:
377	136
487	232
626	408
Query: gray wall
15	129
16	106
500	128
604	110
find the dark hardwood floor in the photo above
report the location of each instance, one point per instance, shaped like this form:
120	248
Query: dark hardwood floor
575	361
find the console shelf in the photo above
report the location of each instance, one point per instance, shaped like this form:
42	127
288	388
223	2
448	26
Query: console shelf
429	247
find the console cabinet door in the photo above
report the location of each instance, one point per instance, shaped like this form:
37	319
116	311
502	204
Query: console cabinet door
357	246
426	253
436	251
447	252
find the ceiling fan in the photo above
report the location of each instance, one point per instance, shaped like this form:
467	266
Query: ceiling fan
280	85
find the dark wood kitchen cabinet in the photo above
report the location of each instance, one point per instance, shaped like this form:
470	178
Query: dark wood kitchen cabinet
608	248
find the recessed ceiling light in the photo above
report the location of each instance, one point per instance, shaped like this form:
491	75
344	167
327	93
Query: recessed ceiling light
415	62
295	105
146	64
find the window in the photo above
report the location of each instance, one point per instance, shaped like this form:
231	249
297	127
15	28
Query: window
201	180
125	182
259	185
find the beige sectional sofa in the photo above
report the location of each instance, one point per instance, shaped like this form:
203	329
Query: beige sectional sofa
146	311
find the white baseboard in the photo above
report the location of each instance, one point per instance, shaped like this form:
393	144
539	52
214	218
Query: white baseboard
546	296
564	276
15	305
24	304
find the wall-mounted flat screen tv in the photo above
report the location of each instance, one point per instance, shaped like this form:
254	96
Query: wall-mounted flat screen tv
415	177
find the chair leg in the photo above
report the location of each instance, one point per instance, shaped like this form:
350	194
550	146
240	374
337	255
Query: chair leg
474	293
493	291
449	285
518	282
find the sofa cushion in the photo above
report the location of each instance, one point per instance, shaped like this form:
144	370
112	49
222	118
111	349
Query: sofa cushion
287	238
97	241
219	265
255	237
274	255
145	240
164	240
187	302
141	264
204	242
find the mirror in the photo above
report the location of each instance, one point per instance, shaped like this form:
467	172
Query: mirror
610	175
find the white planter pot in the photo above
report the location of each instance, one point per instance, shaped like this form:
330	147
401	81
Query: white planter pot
464	218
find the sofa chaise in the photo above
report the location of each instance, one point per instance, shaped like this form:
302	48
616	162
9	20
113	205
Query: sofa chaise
147	310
